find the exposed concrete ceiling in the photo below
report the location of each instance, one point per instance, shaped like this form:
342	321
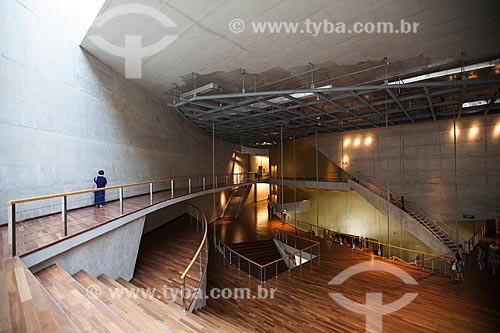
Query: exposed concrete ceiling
205	45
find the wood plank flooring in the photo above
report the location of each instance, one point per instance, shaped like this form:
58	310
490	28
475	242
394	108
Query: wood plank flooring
25	305
34	233
164	254
302	303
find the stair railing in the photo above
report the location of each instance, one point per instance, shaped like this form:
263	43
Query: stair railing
199	260
420	258
476	238
260	271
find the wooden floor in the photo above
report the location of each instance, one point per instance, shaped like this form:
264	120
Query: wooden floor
35	233
302	303
164	254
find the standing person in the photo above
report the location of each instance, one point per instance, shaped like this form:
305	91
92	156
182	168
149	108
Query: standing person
268	210
481	257
461	252
493	258
459	266
99	182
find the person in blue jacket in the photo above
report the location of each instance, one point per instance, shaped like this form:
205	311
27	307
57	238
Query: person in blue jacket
99	182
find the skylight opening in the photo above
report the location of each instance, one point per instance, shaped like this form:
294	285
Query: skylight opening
89	9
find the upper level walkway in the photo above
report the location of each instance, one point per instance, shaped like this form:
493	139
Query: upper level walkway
23	237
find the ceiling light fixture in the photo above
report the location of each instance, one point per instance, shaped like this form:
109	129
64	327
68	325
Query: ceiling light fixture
203	89
446	72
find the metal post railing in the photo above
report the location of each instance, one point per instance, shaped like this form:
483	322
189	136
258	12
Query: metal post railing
151	193
171	188
201	264
64	216
183	293
12	230
189	185
120	195
204	184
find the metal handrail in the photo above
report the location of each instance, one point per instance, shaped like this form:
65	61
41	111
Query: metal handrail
333	176
214	182
475	238
312	226
424	257
263	267
198	254
66	194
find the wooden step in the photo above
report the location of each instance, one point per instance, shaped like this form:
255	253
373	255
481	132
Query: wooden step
25	305
87	312
148	304
120	304
189	321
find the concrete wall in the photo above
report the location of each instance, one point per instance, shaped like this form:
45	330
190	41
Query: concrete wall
114	253
64	115
160	217
258	192
418	161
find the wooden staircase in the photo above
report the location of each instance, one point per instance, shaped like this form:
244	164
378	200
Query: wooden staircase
236	202
261	252
83	303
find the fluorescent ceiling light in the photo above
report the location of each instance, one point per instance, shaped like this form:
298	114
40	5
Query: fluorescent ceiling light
478	103
282	100
447	72
203	89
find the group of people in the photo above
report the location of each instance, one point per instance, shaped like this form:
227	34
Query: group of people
490	257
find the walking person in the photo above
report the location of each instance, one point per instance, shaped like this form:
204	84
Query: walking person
100	182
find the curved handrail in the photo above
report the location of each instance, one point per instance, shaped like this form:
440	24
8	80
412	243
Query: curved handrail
239	255
262	267
57	195
195	257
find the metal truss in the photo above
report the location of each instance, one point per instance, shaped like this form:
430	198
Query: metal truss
256	118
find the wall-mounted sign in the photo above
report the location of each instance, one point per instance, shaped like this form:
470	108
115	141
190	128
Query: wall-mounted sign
468	216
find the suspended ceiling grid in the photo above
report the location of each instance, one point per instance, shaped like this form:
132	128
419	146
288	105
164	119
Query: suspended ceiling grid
257	118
